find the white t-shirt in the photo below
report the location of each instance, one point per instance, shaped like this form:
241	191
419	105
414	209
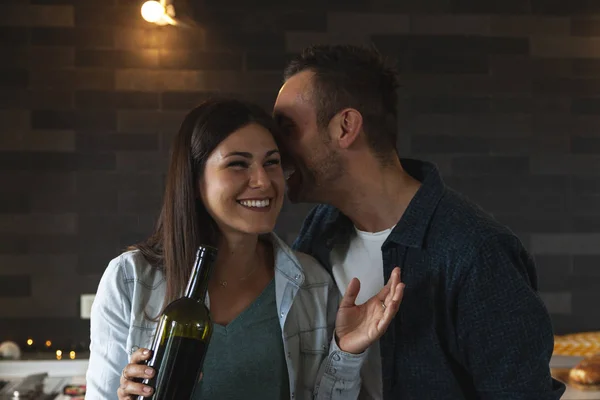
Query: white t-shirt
364	261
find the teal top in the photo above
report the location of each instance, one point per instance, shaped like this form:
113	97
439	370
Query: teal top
245	359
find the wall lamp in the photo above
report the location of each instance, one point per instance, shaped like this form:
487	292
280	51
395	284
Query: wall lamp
159	12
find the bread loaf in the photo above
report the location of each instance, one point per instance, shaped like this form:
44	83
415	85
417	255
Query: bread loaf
586	374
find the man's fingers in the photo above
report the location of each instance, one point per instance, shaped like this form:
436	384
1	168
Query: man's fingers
349	299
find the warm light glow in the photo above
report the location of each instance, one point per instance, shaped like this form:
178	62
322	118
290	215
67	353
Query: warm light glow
152	11
29	342
72	355
58	353
48	343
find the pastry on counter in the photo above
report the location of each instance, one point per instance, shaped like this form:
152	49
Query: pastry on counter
586	374
577	344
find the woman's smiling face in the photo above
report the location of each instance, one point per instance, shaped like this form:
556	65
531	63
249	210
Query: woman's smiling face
243	184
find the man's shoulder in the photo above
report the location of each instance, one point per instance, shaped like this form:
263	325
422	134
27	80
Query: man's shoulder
320	215
459	224
318	218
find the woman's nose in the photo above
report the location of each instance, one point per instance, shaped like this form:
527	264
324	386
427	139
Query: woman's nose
259	178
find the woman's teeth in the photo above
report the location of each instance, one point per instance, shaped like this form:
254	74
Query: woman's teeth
255	203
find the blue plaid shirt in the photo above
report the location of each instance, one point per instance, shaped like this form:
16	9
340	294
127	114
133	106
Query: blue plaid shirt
471	324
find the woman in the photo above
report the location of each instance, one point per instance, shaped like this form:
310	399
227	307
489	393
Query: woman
274	310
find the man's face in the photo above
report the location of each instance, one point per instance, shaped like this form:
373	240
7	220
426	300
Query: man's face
315	161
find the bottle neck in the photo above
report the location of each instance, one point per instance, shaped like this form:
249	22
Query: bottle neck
198	283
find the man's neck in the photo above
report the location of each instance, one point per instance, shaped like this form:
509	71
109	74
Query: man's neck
375	196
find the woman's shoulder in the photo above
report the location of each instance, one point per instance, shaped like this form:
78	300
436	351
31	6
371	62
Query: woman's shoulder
131	267
313	271
130	281
308	262
131	264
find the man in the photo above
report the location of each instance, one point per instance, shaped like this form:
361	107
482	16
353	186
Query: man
471	325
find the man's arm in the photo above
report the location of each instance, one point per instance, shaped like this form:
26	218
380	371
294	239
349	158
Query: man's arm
504	331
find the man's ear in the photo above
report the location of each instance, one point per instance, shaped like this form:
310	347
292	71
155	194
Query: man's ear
350	124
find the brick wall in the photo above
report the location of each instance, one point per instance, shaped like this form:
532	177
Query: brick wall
503	95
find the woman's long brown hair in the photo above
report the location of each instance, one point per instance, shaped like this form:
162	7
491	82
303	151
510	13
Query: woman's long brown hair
184	223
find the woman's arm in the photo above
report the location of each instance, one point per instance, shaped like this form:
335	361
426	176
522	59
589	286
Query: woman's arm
357	327
110	321
339	375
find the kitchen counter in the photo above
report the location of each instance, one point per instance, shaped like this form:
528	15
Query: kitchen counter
60	373
63	372
563	362
54	368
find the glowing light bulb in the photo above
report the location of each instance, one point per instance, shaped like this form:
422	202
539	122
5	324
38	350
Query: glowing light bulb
72	355
153	11
48	343
29	342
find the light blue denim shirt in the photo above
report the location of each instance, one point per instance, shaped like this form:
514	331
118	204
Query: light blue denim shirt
307	302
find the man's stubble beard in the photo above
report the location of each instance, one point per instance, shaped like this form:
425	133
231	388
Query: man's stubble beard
324	174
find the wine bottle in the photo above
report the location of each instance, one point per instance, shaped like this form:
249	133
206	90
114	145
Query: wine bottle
182	336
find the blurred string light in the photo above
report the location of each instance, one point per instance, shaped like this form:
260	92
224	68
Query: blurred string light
159	12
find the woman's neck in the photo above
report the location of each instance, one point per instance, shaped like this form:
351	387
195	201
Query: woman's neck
239	255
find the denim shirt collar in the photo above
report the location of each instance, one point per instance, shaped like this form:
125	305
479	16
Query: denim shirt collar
286	262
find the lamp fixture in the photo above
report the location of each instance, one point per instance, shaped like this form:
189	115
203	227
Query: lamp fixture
159	12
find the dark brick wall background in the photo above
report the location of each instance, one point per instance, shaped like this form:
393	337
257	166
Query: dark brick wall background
503	95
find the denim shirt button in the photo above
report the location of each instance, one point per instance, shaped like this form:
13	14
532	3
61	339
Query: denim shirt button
336	357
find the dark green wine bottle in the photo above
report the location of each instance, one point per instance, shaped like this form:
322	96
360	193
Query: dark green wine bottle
182	336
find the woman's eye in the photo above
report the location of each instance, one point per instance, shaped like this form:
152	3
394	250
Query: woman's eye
238	164
275	161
